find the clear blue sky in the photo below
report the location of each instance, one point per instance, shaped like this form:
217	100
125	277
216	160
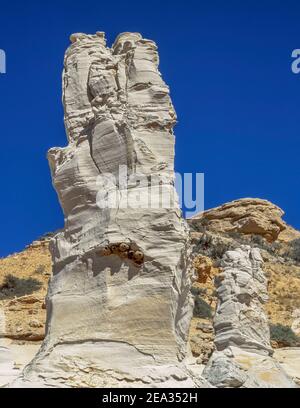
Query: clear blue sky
228	66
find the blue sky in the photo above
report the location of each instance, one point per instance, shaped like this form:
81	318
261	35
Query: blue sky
228	64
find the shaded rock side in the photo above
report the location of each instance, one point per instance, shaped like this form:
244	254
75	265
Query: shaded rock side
201	330
243	356
119	304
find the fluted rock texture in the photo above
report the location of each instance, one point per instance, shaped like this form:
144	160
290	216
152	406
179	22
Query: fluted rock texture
242	339
118	306
242	290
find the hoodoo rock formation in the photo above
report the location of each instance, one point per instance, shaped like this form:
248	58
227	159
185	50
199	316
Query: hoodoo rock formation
242	338
119	303
126	265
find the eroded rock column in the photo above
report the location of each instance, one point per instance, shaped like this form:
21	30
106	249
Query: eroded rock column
118	306
242	339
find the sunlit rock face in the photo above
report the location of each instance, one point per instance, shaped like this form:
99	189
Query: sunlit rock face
242	290
118	306
247	216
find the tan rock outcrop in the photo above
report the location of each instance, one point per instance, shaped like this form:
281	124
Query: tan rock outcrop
218	230
203	266
202	339
245	216
284	292
24	280
289	359
296	322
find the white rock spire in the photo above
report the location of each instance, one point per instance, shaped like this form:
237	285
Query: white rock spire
119	306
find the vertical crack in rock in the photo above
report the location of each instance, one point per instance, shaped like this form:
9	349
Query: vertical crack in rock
243	356
118	305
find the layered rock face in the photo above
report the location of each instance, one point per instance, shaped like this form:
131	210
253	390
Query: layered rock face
118	305
218	230
242	340
23	286
242	290
244	216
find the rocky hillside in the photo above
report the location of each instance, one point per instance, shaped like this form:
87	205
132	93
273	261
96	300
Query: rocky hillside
24	276
257	223
23	286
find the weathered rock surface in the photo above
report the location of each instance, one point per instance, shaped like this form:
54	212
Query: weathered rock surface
237	368
244	216
201	339
296	322
242	340
201	333
242	289
119	304
24	278
284	292
13	357
281	257
289	359
203	267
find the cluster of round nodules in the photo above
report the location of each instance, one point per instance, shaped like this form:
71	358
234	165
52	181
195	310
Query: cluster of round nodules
124	251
